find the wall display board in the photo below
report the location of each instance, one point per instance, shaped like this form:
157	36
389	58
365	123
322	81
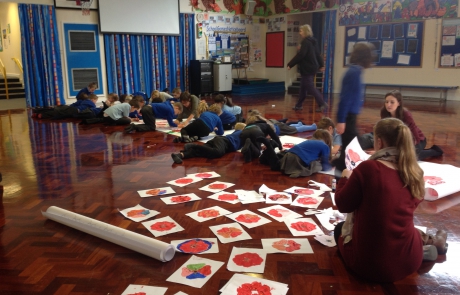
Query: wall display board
450	43
396	44
235	45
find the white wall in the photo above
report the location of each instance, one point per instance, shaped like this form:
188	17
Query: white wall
11	45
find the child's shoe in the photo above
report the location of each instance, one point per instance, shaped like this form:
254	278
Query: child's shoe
177	158
177	139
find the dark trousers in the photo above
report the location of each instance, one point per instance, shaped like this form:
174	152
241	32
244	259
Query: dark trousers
252	133
60	112
213	149
196	128
307	87
349	134
121	121
338	231
149	120
422	153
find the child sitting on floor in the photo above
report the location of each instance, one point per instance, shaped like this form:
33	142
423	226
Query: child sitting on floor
227	105
301	160
207	122
212	149
327	124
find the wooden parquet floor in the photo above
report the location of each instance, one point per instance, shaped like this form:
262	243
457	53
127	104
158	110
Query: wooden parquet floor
96	170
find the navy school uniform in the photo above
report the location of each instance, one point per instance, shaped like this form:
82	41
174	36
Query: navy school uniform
228	120
162	110
204	125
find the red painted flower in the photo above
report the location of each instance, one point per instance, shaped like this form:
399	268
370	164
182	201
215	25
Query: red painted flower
248	259
217	186
248	218
229	232
286	245
203	175
196	271
162	226
307	201
180	199
433	180
194	246
184	180
254	288
228	197
278	197
288	145
208	213
274	212
138	293
303	191
303	226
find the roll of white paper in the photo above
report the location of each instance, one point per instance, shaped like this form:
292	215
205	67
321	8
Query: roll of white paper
125	238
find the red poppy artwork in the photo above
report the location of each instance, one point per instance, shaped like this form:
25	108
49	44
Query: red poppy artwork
286	245
254	288
288	145
184	180
303	191
248	218
138	293
217	186
155	192
354	156
278	212
203	175
307	201
229	232
278	197
194	246
248	259
303	226
208	213
433	180
162	226
180	199
228	197
137	213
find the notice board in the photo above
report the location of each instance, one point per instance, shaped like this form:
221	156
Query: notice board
396	44
450	43
274	48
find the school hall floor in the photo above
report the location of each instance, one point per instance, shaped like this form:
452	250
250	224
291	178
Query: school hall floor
95	170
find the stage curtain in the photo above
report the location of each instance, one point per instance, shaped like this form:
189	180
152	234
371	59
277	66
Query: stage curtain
41	55
146	62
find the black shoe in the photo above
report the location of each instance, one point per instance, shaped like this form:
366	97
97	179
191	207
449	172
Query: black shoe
246	151
177	139
322	108
177	158
438	149
194	138
186	139
130	129
296	108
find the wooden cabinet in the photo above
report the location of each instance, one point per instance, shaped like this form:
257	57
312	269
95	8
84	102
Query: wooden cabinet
201	77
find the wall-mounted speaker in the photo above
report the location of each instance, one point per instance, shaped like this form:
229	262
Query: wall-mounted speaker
250	5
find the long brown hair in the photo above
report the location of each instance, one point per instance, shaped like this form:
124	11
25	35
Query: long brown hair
322	134
399	114
394	133
363	54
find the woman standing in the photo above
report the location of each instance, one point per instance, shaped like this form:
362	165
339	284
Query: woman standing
309	60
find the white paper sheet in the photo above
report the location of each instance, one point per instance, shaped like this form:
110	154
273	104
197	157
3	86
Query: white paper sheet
208	213
183	181
125	238
354	154
278	198
307	201
247	260
240	281
249	218
304	191
205	175
230	232
440	180
156	192
231	198
216	186
280	213
303	227
180	199
195	272
288	246
196	246
290	141
162	226
138	213
145	290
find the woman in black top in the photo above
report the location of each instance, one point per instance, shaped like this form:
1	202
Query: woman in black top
309	61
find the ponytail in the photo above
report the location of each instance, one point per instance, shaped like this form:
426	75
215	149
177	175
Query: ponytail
395	134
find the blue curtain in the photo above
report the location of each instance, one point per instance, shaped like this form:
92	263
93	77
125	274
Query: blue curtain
146	63
41	55
329	30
